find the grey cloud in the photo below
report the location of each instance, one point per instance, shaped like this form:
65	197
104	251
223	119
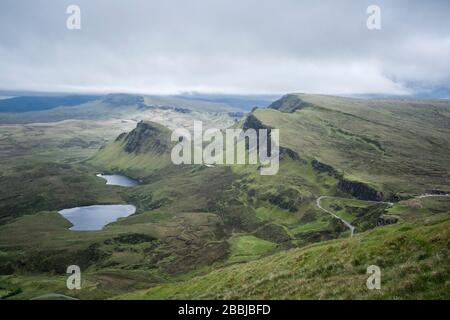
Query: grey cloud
222	46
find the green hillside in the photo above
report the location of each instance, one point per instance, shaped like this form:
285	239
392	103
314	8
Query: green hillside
226	231
398	146
145	149
414	260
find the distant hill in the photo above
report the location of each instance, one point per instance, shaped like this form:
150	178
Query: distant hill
376	149
145	148
244	102
37	103
31	109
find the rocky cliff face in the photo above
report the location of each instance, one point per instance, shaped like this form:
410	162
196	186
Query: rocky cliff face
360	190
322	167
289	103
357	189
252	122
289	153
147	137
386	220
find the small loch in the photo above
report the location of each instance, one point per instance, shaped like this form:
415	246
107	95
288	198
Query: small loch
91	218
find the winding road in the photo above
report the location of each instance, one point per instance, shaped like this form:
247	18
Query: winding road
352	228
427	195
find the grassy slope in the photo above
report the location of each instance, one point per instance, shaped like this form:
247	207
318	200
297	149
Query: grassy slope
166	212
363	215
398	146
41	187
113	158
140	152
183	208
246	248
413	256
159	250
289	194
65	141
329	141
414	261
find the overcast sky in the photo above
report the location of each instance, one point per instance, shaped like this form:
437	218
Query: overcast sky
224	46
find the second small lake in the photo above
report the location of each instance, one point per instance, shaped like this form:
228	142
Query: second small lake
118	180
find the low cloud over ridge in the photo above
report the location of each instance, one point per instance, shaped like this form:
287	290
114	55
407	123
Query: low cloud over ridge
222	46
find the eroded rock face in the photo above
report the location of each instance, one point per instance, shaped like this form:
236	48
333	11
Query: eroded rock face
121	136
289	103
360	190
386	220
148	137
252	122
322	167
438	192
289	153
357	189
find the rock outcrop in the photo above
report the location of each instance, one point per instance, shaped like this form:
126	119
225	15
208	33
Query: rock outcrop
360	190
386	220
252	122
289	153
322	167
147	137
289	104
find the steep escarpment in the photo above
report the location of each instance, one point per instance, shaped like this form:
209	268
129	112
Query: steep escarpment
377	142
323	167
289	104
147	137
360	190
357	189
252	122
139	152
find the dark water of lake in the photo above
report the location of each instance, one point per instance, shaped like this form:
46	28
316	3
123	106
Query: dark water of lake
118	180
95	217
